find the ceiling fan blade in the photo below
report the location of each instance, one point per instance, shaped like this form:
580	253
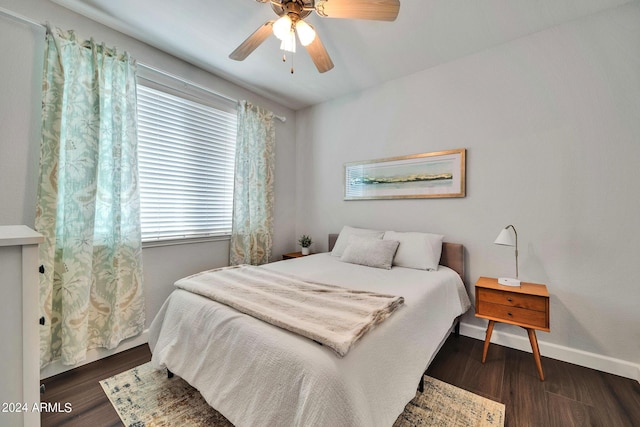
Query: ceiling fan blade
319	55
376	10
252	42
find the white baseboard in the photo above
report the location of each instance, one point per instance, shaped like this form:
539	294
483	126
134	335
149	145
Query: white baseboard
57	367
599	362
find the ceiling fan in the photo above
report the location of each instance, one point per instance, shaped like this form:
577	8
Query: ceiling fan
291	22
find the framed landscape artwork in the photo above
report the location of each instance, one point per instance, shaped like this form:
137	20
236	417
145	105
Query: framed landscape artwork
418	176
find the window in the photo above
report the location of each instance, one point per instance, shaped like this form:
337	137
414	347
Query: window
186	160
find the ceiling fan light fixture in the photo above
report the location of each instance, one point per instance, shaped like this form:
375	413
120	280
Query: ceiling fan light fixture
289	43
306	33
290	21
282	27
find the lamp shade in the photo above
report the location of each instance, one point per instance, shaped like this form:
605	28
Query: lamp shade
505	238
288	43
282	27
306	34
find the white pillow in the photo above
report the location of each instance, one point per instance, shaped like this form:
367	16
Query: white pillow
417	250
369	251
346	232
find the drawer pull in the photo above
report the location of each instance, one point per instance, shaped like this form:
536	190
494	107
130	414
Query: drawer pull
509	299
510	314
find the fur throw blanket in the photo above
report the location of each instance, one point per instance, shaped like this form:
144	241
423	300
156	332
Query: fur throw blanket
330	315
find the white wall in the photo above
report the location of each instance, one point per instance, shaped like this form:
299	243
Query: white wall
552	131
20	82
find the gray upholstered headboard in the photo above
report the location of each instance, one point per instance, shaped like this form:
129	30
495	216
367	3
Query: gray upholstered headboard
452	255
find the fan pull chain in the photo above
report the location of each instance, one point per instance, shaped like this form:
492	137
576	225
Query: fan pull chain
284	59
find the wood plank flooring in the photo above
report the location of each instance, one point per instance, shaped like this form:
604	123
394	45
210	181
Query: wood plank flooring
80	387
570	395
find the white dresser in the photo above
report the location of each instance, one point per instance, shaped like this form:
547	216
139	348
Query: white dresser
19	327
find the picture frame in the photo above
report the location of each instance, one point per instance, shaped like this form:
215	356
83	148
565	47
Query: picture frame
418	176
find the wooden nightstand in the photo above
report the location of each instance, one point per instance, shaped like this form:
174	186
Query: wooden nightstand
291	255
526	306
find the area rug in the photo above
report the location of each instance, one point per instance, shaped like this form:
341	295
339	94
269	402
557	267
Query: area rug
144	397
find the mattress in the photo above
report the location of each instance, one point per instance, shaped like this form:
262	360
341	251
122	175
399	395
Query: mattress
257	374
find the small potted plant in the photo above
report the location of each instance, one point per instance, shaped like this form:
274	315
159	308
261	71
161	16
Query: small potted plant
305	241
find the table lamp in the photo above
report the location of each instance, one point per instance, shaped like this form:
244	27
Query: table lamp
505	238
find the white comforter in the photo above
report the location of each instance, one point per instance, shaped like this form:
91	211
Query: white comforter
257	374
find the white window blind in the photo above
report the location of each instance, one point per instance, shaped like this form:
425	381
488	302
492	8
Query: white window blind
186	161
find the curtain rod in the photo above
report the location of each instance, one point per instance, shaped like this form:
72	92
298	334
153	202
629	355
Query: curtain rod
24	20
20	18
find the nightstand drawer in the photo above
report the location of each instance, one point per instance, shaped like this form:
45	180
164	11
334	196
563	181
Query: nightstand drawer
521	316
512	299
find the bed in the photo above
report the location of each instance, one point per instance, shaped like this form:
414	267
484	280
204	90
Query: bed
256	374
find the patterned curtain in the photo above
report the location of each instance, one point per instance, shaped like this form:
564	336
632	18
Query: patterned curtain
88	200
252	229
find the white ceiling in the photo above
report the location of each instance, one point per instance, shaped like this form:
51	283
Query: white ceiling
365	53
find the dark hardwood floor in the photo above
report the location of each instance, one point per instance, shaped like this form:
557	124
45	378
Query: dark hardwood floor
79	387
570	395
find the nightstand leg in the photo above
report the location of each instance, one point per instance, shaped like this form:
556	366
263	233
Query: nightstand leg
536	351
487	340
